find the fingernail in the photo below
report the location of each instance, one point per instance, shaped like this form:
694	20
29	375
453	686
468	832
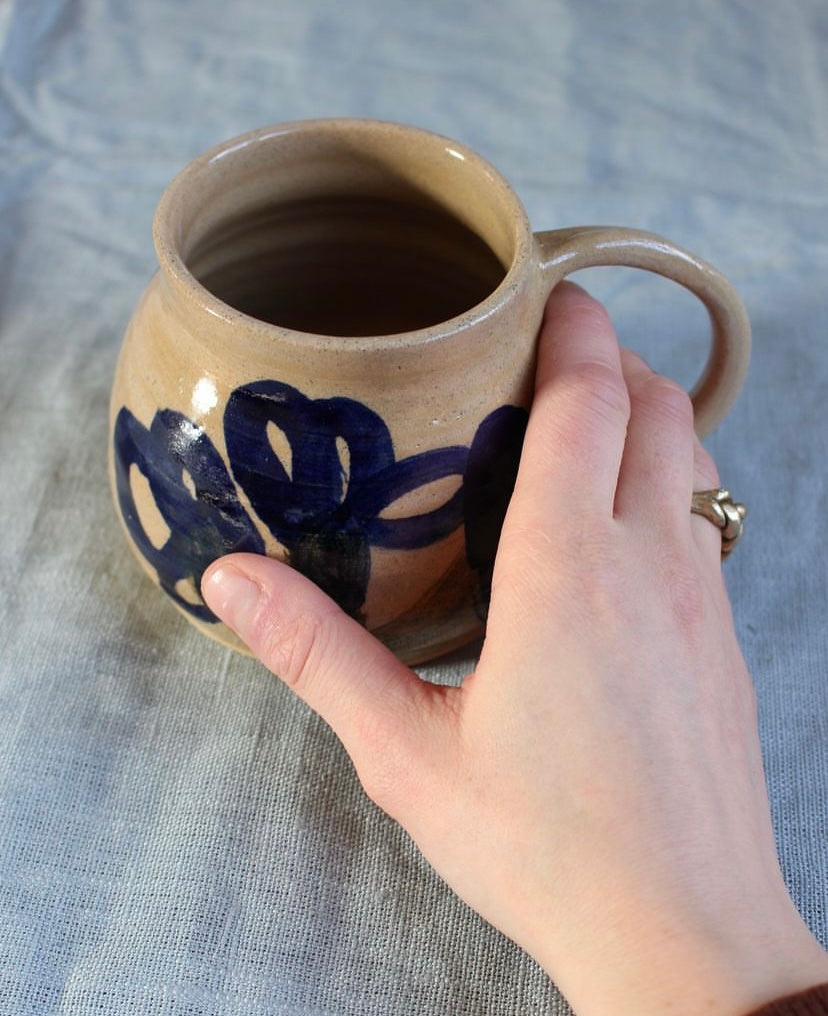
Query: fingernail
232	596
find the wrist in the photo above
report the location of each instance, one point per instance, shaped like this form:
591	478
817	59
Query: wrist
679	966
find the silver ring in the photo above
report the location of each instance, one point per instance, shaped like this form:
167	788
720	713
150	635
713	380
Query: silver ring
718	507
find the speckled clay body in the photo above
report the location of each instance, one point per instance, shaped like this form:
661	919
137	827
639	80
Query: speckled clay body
334	366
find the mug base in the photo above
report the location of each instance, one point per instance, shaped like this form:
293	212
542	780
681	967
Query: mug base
406	639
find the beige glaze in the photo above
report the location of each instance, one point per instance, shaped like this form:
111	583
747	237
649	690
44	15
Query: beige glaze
332	228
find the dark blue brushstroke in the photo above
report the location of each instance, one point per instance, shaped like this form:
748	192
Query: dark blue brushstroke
203	527
328	522
488	485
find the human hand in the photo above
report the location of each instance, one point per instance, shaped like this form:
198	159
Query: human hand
595	788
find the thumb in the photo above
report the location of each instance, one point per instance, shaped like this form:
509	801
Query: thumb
380	710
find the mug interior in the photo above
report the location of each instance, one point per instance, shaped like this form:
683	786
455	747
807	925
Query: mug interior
343	227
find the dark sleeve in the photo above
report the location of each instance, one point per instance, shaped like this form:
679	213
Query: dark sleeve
813	1002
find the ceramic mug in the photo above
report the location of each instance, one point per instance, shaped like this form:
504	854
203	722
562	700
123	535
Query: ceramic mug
334	366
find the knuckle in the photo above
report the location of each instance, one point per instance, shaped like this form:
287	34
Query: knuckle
668	401
688	605
582	556
589	314
291	646
596	388
605	595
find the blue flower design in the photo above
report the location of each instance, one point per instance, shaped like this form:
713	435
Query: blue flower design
204	515
327	520
324	504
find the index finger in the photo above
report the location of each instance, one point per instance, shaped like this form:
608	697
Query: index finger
577	427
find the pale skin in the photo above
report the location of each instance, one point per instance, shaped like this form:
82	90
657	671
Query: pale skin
594	789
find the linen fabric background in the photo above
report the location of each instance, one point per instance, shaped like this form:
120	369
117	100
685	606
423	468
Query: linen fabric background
178	834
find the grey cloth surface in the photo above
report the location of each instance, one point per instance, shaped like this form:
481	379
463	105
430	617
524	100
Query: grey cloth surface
178	835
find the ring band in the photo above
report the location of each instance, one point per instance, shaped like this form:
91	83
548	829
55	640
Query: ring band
718	507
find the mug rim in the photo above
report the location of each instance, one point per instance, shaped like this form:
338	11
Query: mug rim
169	211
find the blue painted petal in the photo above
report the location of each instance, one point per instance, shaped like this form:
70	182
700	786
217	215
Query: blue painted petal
365	433
494	458
202	528
400	479
284	503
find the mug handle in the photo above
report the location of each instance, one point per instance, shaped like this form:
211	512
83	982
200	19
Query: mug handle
563	251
